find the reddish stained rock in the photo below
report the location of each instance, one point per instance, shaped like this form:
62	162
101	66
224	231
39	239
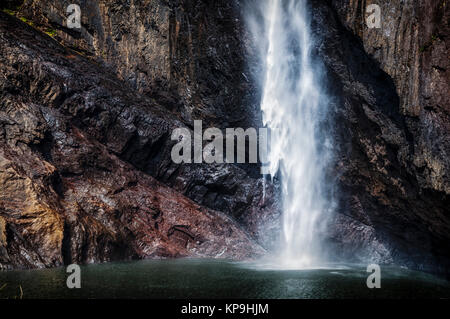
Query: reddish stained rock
66	196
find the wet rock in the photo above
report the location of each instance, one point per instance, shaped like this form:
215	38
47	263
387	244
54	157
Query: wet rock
188	57
68	193
393	180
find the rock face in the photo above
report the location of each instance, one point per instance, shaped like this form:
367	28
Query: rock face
188	56
67	194
392	126
86	118
412	48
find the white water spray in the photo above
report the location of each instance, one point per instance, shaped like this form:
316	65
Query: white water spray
294	107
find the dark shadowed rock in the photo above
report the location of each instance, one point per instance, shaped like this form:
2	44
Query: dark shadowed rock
391	130
67	196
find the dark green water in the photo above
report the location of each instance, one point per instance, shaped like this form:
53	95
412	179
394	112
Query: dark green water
188	278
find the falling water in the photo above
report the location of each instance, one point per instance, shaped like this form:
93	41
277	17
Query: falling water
294	107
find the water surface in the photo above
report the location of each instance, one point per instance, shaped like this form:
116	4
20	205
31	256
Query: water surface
193	278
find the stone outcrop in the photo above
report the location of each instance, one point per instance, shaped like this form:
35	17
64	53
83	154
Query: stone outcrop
390	87
67	194
412	48
188	56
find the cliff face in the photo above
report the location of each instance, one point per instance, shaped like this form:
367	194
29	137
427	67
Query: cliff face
392	104
67	194
412	48
86	130
188	56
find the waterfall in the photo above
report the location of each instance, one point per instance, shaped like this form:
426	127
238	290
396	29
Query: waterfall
294	107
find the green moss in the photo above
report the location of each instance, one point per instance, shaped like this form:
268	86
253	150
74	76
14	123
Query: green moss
51	32
14	13
10	12
29	22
